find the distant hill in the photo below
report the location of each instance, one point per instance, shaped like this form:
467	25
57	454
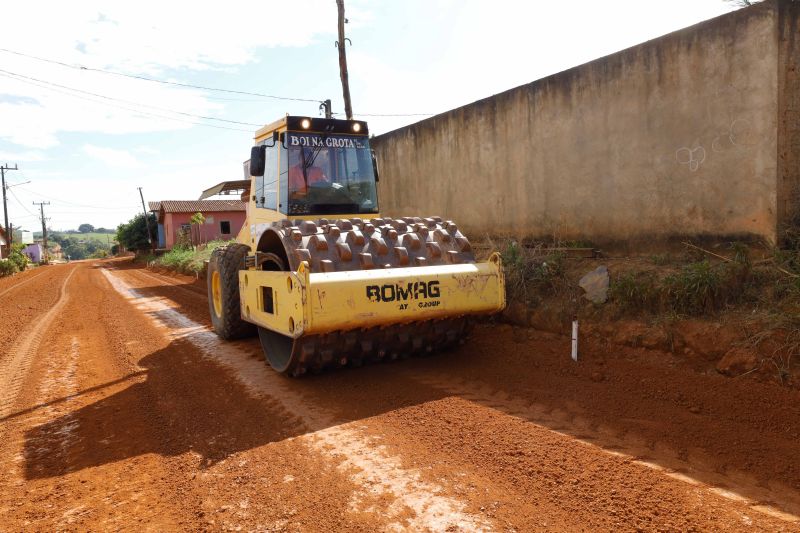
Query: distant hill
105	238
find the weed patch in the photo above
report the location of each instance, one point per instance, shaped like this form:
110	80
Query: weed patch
636	291
186	260
533	271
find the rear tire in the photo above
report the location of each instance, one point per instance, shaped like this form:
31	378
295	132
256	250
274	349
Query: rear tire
223	292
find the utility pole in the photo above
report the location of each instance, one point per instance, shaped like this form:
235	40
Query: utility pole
326	107
146	221
3	169
348	108
44	229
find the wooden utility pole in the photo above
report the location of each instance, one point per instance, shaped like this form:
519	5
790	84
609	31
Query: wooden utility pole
348	108
146	222
44	229
3	169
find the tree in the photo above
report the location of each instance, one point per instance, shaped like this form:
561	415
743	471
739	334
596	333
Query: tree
197	220
133	235
86	228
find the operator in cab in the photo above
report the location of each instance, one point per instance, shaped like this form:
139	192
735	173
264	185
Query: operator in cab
299	178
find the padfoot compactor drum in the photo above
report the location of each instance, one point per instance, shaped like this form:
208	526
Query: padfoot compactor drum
321	276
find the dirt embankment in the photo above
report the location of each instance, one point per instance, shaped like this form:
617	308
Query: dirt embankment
134	414
734	318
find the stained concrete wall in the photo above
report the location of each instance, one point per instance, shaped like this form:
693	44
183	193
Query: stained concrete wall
788	114
677	136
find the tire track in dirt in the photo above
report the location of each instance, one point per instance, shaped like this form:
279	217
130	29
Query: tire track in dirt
402	496
571	422
14	367
22	283
502	409
58	382
80	419
172	282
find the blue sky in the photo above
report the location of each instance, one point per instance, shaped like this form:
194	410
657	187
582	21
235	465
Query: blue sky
87	158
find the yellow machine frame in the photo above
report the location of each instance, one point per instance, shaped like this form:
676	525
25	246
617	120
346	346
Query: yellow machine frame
301	303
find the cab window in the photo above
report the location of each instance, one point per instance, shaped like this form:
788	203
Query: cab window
267	185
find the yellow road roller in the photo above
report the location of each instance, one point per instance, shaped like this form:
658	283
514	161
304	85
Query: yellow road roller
321	276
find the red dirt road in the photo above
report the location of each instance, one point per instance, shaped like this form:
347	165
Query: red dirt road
120	410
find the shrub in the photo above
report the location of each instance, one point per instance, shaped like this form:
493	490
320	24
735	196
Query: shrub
7	267
531	270
18	258
188	261
660	259
695	289
636	291
133	234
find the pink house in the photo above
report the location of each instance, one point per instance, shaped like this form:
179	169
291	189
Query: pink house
223	219
3	244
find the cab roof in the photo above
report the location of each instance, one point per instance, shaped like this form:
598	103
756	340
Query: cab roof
316	125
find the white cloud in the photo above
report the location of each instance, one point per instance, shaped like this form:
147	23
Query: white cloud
14	157
112	157
472	49
425	56
147	150
152	38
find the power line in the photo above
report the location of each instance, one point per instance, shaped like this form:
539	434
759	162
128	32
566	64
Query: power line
154	80
136	111
21	204
14	75
87	214
76	204
130	102
392	114
201	87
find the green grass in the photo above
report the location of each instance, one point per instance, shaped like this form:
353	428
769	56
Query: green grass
636	291
187	260
532	271
697	288
105	238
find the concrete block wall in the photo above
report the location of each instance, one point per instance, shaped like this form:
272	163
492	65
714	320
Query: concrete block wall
691	134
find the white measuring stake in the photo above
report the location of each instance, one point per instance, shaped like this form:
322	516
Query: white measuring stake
575	340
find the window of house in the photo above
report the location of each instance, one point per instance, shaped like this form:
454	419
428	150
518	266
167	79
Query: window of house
225	227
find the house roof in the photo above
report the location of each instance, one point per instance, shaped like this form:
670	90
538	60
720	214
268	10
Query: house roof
154	206
227	187
203	206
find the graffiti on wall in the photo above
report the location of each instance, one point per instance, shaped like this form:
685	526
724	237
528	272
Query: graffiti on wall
737	135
